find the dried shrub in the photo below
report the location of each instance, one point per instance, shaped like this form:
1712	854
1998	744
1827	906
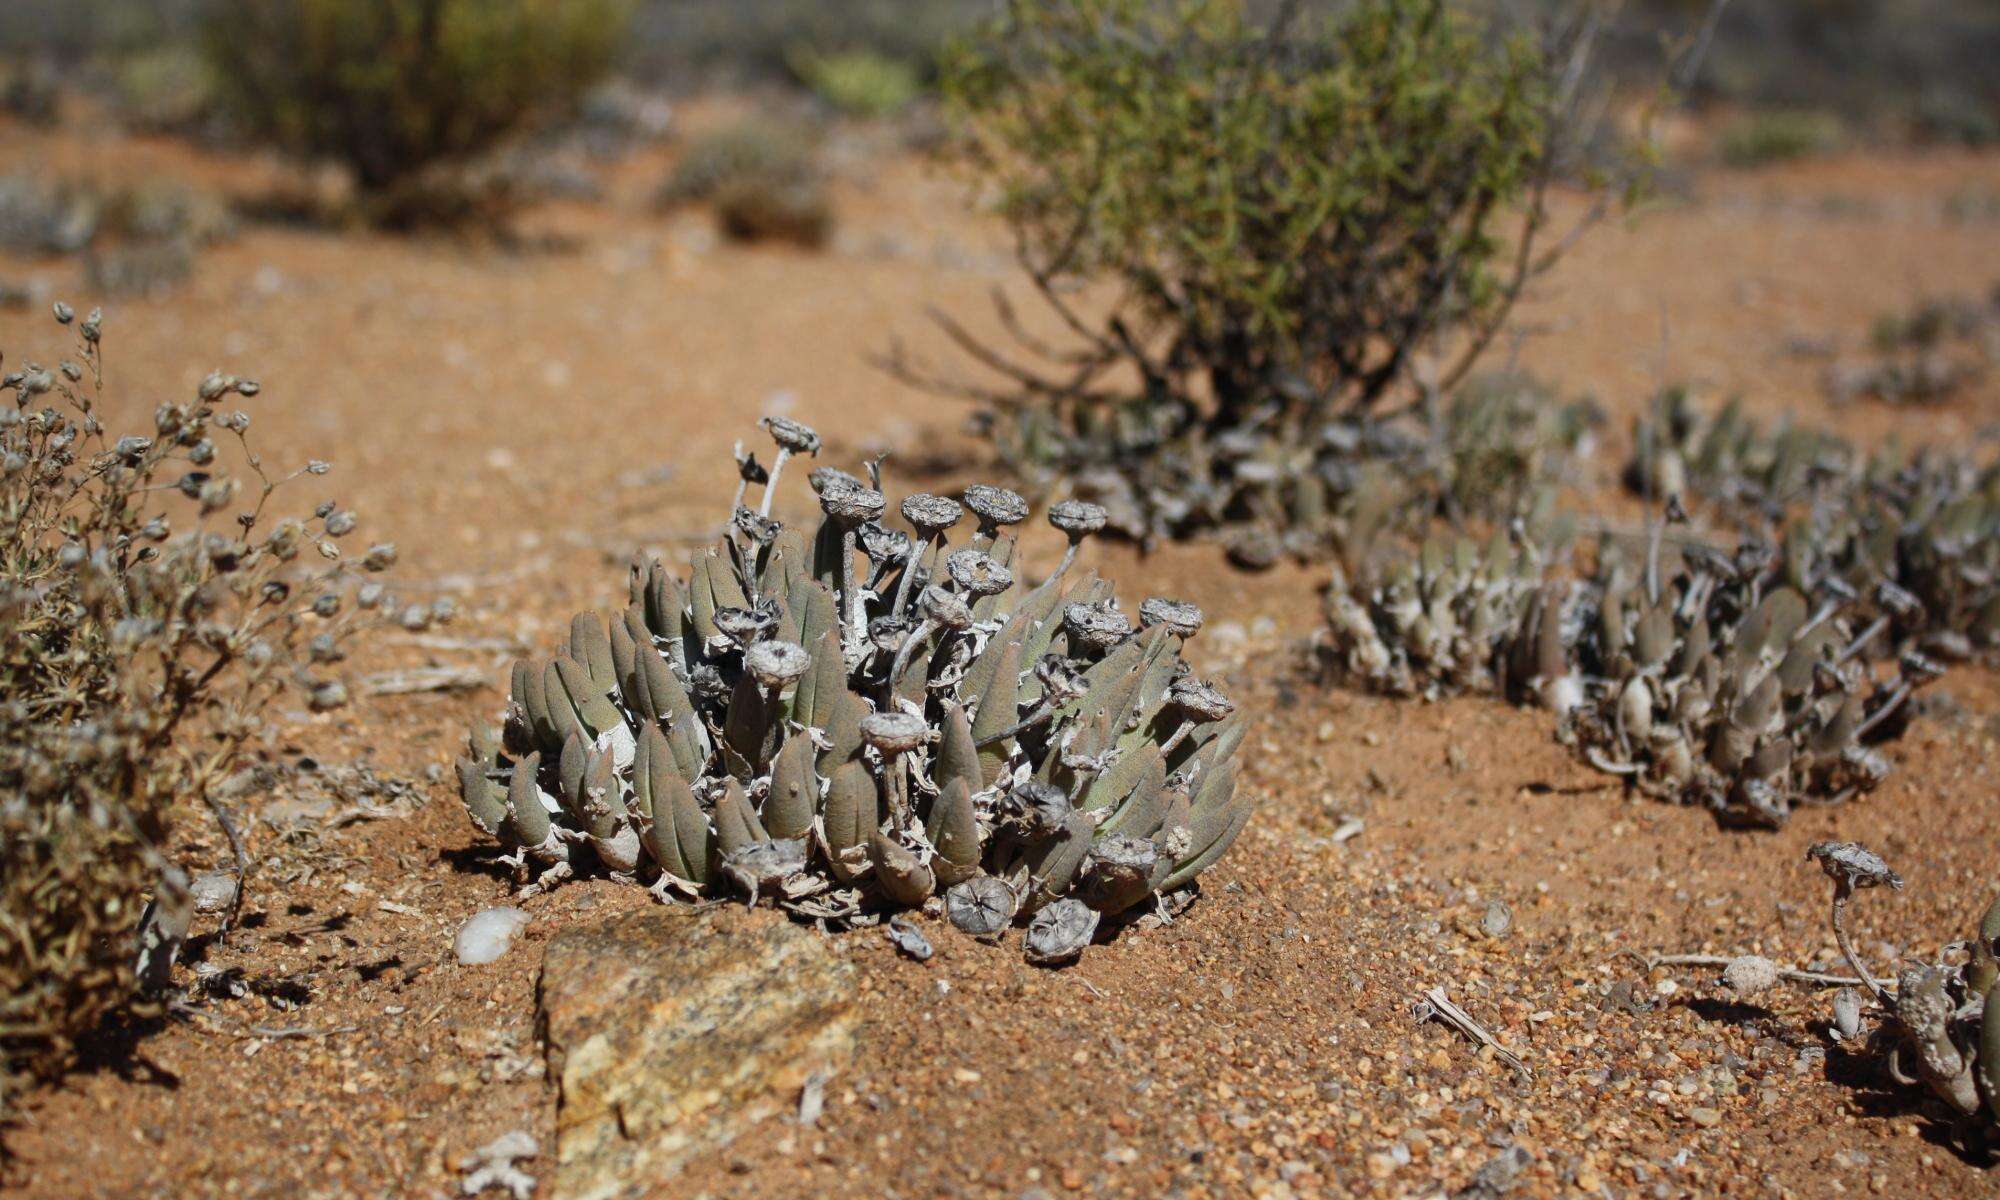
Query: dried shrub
762	178
152	609
405	91
848	737
1292	216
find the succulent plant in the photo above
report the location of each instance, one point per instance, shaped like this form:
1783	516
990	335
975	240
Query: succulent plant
1911	543
1711	679
1941	1026
1443	622
857	719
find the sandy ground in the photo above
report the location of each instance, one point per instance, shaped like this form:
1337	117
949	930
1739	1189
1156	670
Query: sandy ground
505	417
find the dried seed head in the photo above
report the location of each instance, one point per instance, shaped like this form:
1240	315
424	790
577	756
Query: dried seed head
887	632
936	604
1853	866
1098	626
978	573
895	732
981	906
776	664
744	626
791	435
755	527
995	506
884	545
1034	810
1078	519
851	503
1200	701
1180	617
1059	933
932	514
823	478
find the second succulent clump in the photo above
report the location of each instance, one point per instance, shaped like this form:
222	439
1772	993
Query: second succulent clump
864	718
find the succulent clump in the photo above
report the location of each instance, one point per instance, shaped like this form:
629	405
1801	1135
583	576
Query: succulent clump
1909	542
1716	681
854	719
1443	622
1745	683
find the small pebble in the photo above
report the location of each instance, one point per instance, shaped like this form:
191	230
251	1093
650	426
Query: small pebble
486	935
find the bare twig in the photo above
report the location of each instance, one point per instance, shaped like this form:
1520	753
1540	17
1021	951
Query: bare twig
1438	1007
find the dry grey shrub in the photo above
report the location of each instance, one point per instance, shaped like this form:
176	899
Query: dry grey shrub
1941	1022
865	718
153	608
761	177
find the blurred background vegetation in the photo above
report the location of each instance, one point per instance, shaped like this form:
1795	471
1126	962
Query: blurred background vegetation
1888	69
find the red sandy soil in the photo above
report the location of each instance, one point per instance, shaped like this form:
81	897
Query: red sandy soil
496	413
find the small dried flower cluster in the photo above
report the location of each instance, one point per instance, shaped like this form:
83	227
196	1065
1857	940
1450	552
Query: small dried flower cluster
866	718
151	611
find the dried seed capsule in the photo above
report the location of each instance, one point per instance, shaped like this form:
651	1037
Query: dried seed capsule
981	906
791	435
1059	933
894	732
978	573
1077	519
995	507
1096	626
776	664
931	515
1178	616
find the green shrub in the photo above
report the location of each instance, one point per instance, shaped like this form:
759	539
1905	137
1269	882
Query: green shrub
1293	217
762	178
167	89
860	83
397	88
152	610
1762	139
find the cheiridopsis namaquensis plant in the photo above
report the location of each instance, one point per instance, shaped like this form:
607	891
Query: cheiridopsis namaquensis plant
1941	1026
1443	623
859	718
1913	539
1713	681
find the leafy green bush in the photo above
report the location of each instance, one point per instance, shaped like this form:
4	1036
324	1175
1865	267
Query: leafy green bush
1762	139
398	88
1293	215
762	178
152	610
860	83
